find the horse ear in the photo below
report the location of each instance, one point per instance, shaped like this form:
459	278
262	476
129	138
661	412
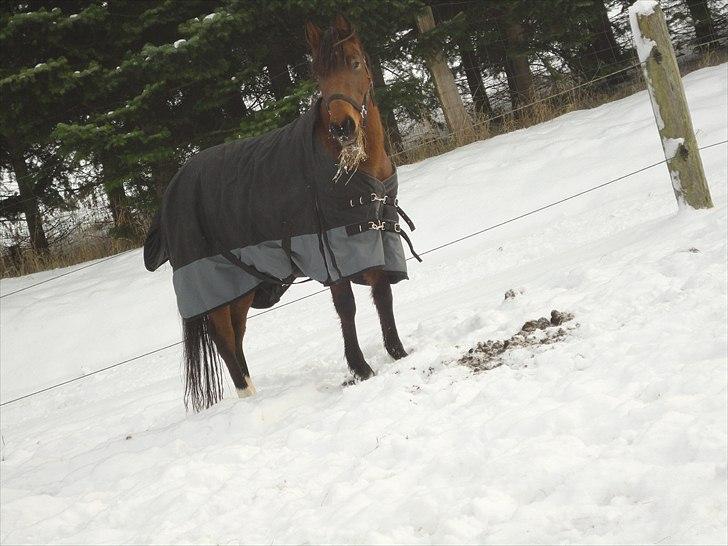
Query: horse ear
313	36
343	25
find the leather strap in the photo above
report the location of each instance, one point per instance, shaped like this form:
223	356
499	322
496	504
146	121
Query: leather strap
384	225
387	201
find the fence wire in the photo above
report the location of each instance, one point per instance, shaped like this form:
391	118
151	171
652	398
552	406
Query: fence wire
307	296
444	137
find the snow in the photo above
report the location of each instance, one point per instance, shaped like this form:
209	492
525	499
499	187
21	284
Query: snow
644	7
39	65
671	146
641	8
179	43
210	16
616	434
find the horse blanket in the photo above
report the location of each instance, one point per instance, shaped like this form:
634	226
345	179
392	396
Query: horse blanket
254	214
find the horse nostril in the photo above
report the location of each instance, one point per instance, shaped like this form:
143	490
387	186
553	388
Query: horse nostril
348	127
336	130
345	130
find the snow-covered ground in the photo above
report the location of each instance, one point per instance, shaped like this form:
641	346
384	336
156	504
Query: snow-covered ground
616	434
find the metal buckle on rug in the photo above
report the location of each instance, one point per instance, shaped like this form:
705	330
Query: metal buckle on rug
375	197
387	200
382	226
354	203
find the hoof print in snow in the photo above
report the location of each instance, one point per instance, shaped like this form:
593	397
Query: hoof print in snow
487	355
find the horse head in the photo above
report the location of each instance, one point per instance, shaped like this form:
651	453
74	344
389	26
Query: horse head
343	76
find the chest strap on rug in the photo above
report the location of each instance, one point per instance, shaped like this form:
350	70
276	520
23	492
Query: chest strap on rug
233	259
387	201
270	279
384	225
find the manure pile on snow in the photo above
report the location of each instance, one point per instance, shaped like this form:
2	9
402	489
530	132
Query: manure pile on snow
487	355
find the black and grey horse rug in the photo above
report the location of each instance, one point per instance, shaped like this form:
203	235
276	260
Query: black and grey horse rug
254	214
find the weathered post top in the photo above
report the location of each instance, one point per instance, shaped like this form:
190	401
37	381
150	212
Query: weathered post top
664	85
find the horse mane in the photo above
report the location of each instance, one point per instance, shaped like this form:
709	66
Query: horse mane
330	55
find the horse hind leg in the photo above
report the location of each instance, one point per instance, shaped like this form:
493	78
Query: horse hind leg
239	317
225	325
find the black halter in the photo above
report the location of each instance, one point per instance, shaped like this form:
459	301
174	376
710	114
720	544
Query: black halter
359	107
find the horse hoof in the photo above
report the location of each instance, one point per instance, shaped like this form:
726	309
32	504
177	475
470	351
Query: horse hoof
357	377
366	374
397	352
249	390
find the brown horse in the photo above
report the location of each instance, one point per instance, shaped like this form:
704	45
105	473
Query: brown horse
340	66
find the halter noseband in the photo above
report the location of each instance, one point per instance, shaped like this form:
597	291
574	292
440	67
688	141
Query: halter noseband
361	108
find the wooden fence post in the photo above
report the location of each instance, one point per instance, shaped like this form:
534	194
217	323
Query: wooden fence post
665	88
456	116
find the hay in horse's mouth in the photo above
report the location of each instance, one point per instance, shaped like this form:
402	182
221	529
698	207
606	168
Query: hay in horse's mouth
352	155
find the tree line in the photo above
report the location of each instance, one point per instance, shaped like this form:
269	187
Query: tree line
105	99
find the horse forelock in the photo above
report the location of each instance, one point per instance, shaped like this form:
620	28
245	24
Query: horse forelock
330	55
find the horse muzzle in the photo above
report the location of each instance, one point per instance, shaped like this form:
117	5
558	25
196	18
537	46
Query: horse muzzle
345	132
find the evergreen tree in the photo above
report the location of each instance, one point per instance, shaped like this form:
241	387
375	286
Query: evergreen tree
39	88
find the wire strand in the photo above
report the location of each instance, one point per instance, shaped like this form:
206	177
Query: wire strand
434	249
97	262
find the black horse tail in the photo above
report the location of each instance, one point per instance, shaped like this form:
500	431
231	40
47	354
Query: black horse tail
203	377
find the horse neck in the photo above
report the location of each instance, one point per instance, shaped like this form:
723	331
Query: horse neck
377	163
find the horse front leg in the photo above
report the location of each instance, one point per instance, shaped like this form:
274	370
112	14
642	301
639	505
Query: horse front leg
383	301
346	309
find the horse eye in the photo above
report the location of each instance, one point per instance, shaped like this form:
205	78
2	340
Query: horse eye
355	64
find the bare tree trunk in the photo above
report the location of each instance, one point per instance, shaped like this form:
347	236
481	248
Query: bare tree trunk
393	138
603	54
518	70
162	173
470	61
280	78
456	116
702	20
471	67
281	83
604	44
29	204
118	201
235	107
117	205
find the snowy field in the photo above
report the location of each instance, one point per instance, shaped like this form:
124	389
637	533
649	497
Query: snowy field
615	434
